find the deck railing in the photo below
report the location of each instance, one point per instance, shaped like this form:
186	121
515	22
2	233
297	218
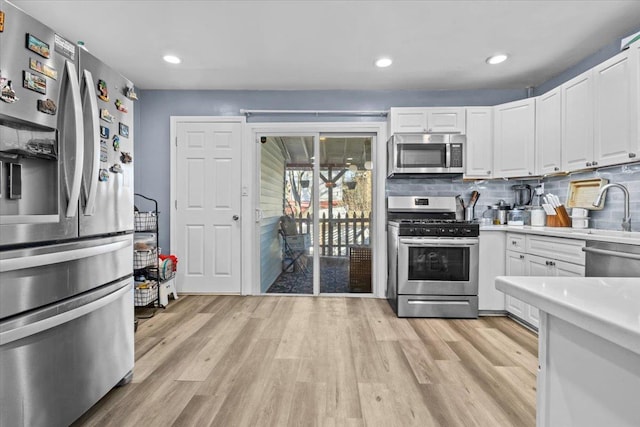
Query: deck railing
338	233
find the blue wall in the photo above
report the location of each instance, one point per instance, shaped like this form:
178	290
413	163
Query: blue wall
155	107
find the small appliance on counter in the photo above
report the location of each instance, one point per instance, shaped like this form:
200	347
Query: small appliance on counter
522	195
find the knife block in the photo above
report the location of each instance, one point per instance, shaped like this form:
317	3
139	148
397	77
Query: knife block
560	219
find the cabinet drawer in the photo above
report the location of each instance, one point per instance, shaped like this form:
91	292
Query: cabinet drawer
569	250
516	242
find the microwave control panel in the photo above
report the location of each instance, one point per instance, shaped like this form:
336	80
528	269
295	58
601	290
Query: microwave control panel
456	155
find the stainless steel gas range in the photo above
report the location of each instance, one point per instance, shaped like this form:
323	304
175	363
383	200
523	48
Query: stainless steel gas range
433	258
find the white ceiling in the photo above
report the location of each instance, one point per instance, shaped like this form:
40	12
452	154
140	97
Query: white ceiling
308	44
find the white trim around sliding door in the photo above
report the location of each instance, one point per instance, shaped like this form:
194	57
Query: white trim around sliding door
251	194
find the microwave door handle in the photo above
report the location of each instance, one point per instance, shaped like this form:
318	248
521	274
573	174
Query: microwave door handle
447	156
87	80
74	194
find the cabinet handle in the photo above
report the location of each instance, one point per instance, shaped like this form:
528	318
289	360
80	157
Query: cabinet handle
530	173
556	169
513	242
488	172
521	256
546	263
588	163
595	163
632	155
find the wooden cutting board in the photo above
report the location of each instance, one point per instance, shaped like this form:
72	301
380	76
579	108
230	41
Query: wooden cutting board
583	192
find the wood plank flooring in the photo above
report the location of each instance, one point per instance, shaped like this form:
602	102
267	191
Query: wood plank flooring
304	361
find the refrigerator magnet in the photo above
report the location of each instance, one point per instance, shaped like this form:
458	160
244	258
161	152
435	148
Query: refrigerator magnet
106	116
124	130
121	107
104	132
7	94
36	45
103	92
104	153
41	68
116	168
131	93
126	157
1	21
34	82
47	106
116	143
103	176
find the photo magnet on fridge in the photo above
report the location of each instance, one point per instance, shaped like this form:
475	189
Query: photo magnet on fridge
7	94
103	92
1	21
38	66
104	132
106	116
124	130
38	46
34	83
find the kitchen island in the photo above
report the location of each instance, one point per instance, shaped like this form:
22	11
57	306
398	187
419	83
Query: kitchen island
589	348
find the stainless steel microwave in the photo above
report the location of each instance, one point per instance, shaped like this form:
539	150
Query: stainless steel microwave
425	153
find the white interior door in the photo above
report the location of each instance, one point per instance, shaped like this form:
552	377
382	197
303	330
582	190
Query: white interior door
208	203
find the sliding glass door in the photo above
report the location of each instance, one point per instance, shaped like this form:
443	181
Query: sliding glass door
316	204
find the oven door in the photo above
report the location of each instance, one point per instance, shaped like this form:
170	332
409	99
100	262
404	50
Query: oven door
438	266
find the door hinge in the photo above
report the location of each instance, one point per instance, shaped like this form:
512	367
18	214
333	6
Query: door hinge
176	141
175	203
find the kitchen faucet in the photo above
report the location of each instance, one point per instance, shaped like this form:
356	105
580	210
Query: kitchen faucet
626	220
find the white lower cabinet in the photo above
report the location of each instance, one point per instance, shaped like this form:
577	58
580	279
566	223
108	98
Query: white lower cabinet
534	260
491	265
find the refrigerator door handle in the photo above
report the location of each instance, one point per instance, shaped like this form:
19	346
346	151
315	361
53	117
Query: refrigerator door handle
74	194
67	316
87	90
20	263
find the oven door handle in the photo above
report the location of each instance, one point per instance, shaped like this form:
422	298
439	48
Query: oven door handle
456	241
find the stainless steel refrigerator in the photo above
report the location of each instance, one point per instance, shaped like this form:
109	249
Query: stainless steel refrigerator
66	223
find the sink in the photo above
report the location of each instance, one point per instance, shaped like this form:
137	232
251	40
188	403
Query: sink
607	233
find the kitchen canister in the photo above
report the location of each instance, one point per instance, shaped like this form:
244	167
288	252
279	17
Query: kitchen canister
538	217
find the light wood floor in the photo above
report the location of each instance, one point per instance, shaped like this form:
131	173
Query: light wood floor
302	361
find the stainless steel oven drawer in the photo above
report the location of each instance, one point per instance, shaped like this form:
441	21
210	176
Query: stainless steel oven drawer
438	306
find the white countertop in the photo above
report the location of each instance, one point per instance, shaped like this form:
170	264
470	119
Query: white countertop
606	306
628	237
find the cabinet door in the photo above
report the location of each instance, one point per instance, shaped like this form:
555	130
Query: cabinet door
446	120
408	120
549	132
515	266
479	146
577	122
567	269
616	123
514	131
491	243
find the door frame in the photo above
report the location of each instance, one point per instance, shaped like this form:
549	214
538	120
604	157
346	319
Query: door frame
173	144
251	194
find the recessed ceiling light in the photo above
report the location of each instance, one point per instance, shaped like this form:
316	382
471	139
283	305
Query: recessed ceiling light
497	58
383	62
171	59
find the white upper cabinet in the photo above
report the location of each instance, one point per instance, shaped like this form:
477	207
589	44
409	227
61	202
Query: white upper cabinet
577	122
616	110
420	120
514	139
479	144
549	132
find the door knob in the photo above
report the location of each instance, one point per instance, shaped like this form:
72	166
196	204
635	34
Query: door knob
236	217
